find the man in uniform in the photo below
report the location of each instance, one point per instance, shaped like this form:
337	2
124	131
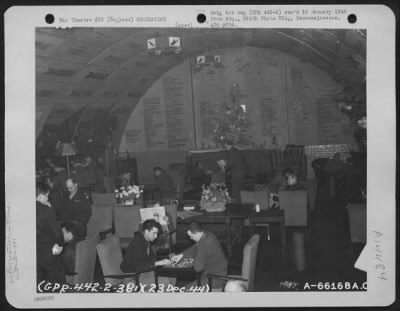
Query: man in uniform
76	208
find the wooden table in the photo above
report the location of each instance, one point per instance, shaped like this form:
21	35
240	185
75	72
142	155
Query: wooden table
271	215
233	211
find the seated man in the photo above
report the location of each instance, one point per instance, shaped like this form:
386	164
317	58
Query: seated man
292	184
164	186
140	256
207	253
279	181
123	180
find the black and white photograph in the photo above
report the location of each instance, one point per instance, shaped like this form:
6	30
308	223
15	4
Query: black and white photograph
246	147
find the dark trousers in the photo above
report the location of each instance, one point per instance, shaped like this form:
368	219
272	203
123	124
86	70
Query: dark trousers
237	186
49	267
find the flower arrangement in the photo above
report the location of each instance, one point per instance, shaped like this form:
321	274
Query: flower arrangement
214	197
127	195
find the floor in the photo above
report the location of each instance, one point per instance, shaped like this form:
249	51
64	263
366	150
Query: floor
329	254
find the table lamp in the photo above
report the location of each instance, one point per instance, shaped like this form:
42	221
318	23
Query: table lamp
68	149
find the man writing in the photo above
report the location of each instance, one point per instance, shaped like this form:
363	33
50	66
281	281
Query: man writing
207	253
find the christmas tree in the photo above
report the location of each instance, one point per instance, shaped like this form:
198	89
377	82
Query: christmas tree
231	121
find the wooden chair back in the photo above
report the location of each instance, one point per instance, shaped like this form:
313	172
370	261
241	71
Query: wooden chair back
85	260
249	264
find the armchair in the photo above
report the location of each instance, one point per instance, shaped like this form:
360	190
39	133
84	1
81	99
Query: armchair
85	260
250	252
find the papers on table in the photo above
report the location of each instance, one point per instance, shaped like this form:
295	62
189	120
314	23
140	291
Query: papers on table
362	261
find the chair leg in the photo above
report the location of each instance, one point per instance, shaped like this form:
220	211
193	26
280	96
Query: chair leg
268	233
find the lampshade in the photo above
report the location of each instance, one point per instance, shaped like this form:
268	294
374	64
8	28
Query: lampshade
67	149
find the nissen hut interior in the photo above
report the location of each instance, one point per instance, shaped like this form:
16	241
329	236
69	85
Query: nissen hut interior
200	160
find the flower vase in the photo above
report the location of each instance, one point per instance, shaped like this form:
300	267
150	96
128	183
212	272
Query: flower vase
129	202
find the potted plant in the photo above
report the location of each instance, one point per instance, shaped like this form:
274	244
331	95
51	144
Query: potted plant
214	197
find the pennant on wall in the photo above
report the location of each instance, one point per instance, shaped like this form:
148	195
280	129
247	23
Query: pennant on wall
174	41
208	60
151	43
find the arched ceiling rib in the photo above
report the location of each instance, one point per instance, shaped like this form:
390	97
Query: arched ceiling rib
81	67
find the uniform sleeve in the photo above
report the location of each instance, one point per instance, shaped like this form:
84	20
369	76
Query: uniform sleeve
86	210
55	226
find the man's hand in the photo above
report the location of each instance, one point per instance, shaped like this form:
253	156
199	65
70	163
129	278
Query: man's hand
57	249
162	262
176	258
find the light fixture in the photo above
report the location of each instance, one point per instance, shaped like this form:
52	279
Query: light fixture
67	149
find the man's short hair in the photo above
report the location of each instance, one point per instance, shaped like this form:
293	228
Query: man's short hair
70	227
287	171
150	224
157	168
235	286
195	227
72	179
41	188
